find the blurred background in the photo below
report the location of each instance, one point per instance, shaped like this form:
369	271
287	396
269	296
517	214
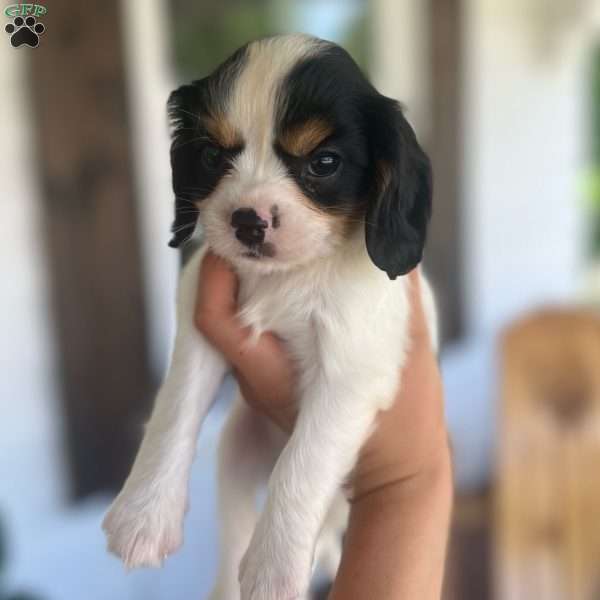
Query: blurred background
506	98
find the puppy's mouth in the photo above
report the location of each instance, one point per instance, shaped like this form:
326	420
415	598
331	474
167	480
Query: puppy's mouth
258	251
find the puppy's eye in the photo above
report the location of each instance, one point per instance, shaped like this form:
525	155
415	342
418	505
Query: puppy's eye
324	165
211	157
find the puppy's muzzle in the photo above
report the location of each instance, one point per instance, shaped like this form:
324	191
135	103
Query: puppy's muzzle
249	227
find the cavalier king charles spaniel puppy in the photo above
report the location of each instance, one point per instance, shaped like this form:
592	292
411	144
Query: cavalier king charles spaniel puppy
314	187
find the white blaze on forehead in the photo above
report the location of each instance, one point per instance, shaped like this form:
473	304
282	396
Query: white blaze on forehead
252	102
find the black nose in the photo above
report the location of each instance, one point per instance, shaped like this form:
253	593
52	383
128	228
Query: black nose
249	227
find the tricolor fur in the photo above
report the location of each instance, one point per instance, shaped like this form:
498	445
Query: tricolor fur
313	186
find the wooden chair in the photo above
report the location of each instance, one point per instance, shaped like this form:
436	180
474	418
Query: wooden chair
547	504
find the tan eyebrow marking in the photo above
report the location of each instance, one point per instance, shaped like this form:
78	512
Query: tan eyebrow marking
304	138
222	131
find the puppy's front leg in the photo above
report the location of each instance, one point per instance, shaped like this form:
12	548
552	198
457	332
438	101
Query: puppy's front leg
145	522
331	428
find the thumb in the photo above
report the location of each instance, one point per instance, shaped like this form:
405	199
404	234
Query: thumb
218	287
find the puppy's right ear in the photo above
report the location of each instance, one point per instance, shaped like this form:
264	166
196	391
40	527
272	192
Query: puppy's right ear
183	109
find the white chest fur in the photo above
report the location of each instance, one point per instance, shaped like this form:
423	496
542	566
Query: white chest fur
334	316
346	324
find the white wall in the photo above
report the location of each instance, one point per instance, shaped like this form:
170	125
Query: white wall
525	141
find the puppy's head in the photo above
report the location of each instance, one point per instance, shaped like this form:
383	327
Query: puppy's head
286	150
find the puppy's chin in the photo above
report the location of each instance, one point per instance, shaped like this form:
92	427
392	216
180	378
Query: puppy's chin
258	260
254	261
265	259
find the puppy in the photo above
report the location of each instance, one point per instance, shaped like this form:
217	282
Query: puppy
313	186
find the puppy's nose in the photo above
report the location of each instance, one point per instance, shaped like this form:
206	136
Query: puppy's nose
247	217
249	227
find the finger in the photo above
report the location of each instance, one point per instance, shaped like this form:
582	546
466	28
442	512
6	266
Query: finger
218	286
215	311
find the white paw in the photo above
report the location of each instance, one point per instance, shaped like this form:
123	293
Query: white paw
272	570
144	529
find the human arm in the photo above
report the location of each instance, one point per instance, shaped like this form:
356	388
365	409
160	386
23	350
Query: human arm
401	488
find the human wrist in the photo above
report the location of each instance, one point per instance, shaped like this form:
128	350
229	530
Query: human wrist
397	537
395	478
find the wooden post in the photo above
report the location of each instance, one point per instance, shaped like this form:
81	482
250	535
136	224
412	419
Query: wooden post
443	254
548	491
91	237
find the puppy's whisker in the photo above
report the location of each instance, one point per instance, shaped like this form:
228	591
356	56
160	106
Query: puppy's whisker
183	228
192	198
194	190
187	112
180	144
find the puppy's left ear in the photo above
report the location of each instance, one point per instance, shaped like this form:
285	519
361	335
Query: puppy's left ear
182	109
400	203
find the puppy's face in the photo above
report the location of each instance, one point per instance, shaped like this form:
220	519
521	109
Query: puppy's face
286	150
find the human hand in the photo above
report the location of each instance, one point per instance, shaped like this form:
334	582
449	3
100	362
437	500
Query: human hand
400	488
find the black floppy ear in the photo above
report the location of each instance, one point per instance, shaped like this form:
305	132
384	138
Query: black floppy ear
183	106
400	204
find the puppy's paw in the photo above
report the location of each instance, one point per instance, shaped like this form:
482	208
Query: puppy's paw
143	531
271	570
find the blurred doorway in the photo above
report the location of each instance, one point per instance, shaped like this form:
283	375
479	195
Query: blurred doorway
444	247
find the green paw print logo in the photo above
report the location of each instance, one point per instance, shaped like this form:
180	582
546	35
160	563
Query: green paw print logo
25	29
